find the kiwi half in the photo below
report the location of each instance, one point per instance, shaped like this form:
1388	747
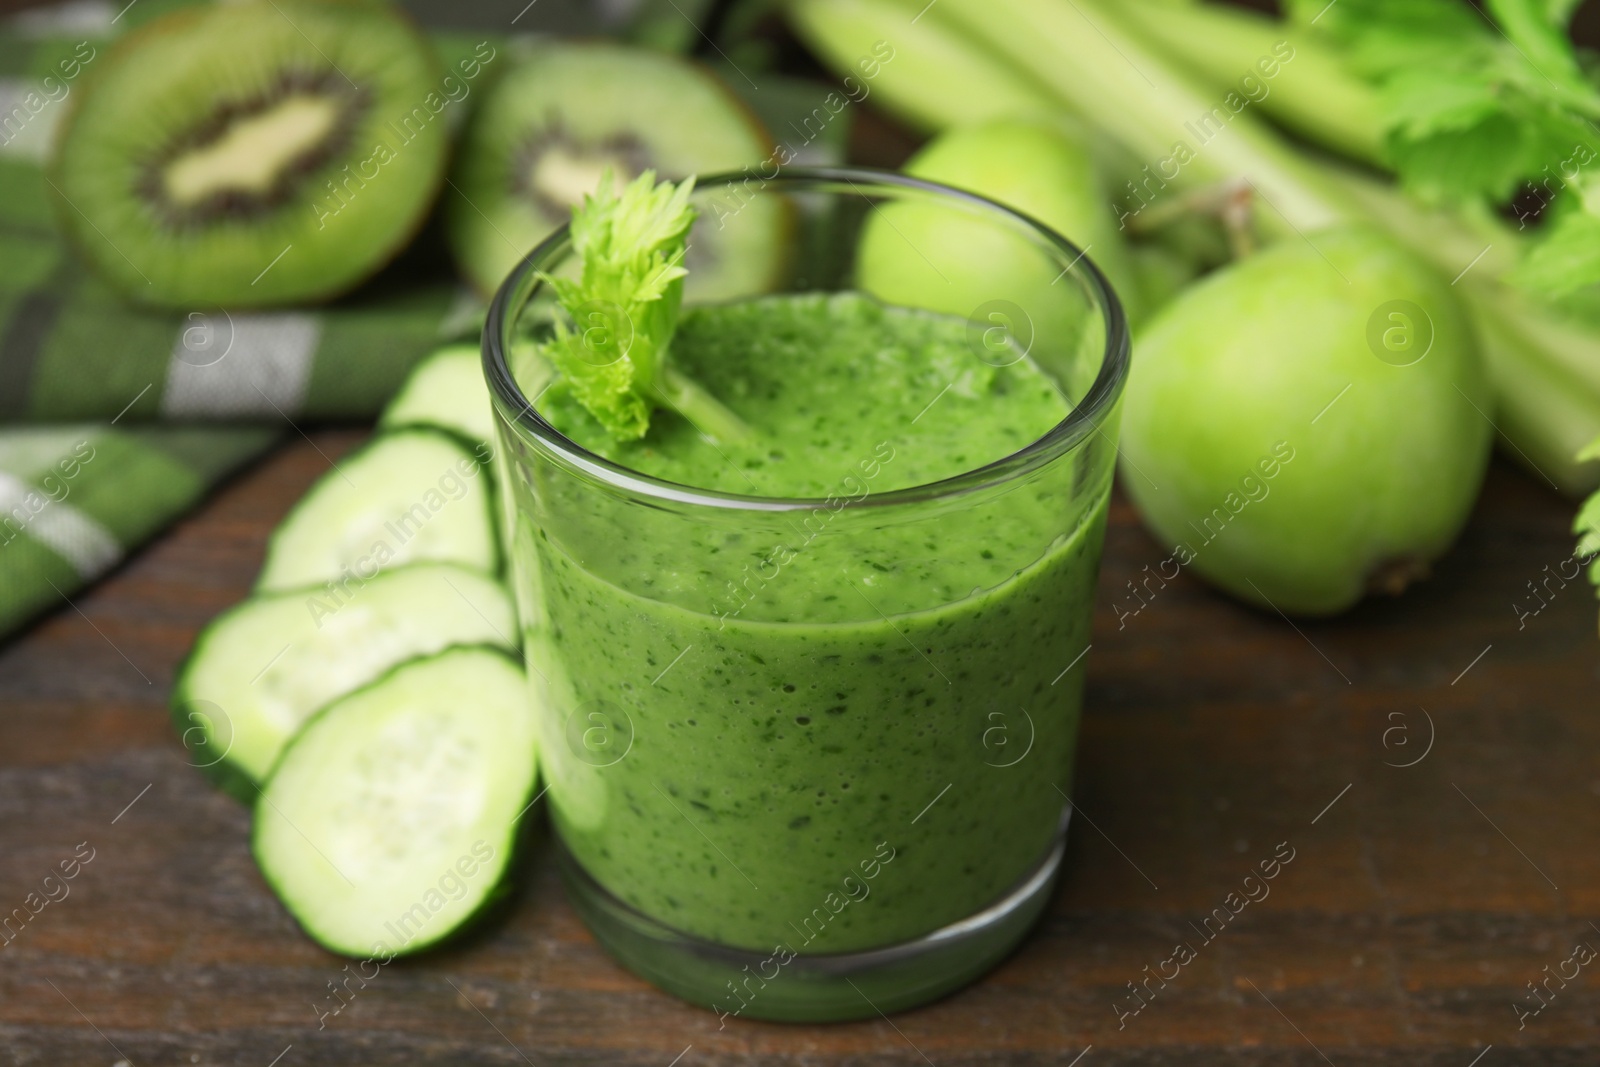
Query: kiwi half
547	131
250	154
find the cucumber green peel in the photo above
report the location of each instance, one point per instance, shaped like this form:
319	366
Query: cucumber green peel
624	306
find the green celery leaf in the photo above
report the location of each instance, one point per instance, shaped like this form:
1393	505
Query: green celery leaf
1560	12
1351	19
624	302
1488	159
1587	526
1422	101
1540	42
1565	259
1472	107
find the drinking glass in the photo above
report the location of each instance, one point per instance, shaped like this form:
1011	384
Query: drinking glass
811	759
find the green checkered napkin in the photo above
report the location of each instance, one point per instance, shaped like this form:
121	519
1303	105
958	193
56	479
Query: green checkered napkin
75	498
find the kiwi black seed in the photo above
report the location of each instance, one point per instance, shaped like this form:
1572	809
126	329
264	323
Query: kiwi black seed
259	153
566	113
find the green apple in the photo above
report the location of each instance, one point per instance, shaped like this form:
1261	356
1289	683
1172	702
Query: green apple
1159	275
1308	424
928	255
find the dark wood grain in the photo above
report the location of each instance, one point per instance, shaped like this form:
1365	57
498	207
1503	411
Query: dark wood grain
1414	912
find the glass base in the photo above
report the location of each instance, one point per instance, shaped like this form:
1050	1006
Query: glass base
814	988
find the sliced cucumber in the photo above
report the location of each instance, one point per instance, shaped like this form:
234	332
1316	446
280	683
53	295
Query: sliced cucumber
258	670
413	494
390	821
446	390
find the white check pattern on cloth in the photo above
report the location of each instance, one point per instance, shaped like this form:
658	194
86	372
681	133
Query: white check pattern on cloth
92	18
80	540
24	133
263	369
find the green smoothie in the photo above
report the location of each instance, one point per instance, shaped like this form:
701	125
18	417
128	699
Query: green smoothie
821	729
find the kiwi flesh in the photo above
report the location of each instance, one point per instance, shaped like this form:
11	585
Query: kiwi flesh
252	154
564	115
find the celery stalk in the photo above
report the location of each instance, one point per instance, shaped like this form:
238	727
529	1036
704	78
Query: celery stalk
1543	45
1454	240
934	78
1192	137
1544	414
1312	95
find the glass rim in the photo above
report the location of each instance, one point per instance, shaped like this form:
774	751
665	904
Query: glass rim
1085	418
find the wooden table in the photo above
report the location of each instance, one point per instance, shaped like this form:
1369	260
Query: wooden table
1419	902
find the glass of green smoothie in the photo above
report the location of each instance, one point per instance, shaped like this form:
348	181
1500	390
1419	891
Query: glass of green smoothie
808	674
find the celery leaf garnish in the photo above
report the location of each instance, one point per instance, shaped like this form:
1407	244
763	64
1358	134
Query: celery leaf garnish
624	307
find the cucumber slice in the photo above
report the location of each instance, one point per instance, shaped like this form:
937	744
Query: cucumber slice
390	821
413	494
258	670
445	390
